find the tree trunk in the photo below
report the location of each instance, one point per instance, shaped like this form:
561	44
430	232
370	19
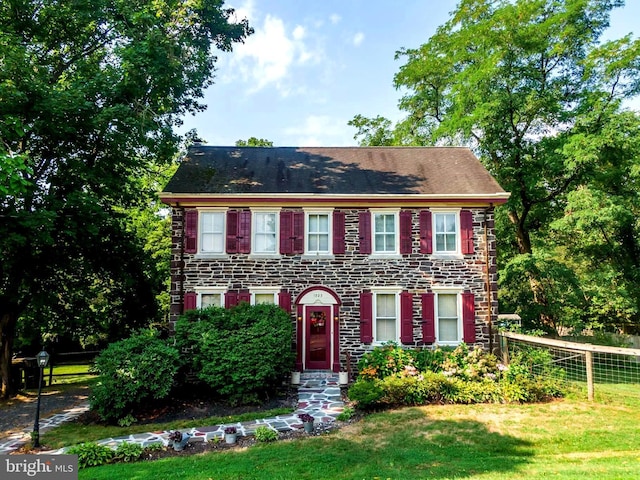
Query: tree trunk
8	322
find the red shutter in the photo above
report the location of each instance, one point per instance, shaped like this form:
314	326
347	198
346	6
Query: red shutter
338	232
428	318
298	232
426	241
244	231
190	231
366	317
284	301
469	317
189	301
365	232
466	231
406	246
286	232
244	296
406	317
230	299
232	231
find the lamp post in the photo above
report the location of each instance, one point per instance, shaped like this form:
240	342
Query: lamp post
43	360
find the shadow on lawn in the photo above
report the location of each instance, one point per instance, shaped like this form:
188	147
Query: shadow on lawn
405	444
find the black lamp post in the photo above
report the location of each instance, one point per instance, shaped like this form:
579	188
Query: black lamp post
43	360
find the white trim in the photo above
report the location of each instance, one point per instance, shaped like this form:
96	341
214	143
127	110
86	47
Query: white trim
254	231
264	291
448	291
445	253
396	226
209	291
387	290
329	214
201	212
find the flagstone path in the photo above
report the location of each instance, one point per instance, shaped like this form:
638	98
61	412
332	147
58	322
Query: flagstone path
318	395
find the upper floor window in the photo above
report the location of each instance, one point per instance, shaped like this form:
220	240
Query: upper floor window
212	232
265	232
385	232
318	233
446	232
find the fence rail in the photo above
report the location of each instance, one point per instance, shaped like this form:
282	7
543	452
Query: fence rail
609	370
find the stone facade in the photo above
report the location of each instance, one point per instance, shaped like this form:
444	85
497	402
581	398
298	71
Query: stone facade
349	274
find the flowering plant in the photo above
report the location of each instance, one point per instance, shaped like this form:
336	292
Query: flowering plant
230	430
305	417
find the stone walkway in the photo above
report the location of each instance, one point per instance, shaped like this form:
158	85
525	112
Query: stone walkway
318	395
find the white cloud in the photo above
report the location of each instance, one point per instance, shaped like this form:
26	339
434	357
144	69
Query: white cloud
335	18
321	130
358	38
268	56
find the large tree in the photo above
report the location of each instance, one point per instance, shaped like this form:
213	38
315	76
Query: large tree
522	82
90	91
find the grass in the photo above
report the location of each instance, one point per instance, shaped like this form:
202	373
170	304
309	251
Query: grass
569	439
72	433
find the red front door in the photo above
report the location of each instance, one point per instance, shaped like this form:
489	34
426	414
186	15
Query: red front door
318	337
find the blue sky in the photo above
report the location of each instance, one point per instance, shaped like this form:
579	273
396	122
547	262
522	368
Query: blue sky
311	66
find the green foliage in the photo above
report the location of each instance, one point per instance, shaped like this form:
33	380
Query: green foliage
346	414
254	142
91	454
242	353
463	376
384	361
133	371
128	452
266	434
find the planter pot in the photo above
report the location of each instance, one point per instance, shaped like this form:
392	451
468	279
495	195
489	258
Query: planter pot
295	378
343	378
230	438
178	446
308	427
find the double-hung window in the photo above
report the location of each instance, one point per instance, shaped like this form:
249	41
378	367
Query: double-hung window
448	324
212	232
446	232
318	235
210	297
385	232
265	232
264	295
385	314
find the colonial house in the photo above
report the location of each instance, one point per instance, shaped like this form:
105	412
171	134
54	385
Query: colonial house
361	245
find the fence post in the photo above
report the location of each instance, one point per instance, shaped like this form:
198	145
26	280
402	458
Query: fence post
504	346
589	364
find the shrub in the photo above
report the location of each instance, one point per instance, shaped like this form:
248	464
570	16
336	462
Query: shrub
346	414
266	434
91	454
242	353
367	394
132	371
128	452
384	361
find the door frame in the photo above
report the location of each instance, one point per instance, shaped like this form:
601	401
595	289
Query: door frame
318	296
308	322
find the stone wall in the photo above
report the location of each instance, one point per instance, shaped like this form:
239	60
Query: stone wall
348	275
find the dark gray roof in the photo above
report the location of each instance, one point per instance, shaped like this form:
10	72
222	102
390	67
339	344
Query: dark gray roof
335	171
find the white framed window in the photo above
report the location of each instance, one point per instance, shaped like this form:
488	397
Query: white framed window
446	232
318	233
385	232
448	317
386	315
264	295
210	297
265	232
212	232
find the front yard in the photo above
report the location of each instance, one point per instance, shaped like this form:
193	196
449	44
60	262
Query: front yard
566	439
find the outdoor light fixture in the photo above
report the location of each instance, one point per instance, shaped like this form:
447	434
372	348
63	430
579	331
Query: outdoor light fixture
43	360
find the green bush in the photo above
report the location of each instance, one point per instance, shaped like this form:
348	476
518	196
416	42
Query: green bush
128	452
132	371
385	360
366	393
266	434
91	454
243	353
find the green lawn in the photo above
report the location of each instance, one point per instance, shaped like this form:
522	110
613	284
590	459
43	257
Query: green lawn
569	439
